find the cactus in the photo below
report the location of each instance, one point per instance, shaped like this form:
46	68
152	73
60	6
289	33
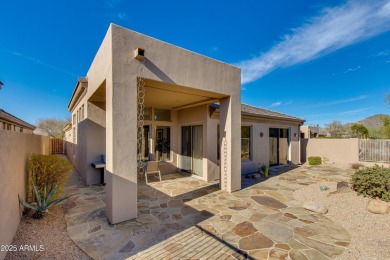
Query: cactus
43	203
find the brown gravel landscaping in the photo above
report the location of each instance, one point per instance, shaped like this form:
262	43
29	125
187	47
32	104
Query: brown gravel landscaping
50	232
370	232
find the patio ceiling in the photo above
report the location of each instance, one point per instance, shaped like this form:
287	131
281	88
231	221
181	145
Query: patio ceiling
164	95
98	98
175	97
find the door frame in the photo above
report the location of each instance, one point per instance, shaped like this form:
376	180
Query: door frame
278	145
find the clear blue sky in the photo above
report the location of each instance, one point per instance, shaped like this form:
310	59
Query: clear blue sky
304	58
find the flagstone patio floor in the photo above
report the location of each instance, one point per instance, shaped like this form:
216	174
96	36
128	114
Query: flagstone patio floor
183	217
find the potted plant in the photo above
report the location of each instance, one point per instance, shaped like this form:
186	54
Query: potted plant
163	148
265	169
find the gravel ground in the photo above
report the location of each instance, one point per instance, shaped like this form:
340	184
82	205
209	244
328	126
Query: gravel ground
49	232
370	233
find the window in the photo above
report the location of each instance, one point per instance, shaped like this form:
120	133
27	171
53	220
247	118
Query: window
4	124
245	142
82	112
162	114
8	127
21	129
74	119
218	143
163	143
147	115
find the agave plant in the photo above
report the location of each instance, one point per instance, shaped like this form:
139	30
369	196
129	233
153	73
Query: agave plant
43	203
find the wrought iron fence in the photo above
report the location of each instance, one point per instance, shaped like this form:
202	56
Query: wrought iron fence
374	150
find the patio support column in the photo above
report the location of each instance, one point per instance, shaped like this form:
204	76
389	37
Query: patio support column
121	149
230	131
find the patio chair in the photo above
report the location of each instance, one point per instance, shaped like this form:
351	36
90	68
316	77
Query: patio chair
152	167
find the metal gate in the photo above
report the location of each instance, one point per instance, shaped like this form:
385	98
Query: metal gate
374	150
57	146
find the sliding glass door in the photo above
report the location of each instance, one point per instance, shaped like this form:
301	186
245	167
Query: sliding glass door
278	146
192	149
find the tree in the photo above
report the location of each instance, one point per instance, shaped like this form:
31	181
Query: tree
359	131
387	99
335	128
53	126
386	126
1	84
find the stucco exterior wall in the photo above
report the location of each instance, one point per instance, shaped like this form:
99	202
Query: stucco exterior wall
342	151
163	62
211	155
114	65
96	114
70	149
166	63
90	146
260	145
15	149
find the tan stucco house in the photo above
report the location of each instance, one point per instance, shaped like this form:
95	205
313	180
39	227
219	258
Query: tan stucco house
143	99
10	122
309	131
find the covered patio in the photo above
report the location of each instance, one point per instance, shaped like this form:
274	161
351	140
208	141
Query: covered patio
184	217
148	100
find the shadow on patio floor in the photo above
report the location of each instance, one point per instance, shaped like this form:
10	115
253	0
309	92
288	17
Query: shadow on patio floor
183	217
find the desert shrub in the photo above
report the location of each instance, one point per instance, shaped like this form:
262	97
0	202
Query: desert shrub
46	171
314	160
373	182
356	166
44	201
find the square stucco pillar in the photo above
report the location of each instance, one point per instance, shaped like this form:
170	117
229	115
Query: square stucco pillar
230	127
121	150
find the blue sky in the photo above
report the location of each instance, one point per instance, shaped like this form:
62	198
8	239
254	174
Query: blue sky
320	61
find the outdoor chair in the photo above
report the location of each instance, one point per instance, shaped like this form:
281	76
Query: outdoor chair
152	167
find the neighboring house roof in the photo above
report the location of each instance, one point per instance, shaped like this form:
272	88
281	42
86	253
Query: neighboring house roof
262	112
267	113
14	120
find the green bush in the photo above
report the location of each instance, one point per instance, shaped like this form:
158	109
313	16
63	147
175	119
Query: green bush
314	160
46	171
373	182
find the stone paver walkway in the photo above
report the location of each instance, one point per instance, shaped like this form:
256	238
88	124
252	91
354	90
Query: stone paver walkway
185	218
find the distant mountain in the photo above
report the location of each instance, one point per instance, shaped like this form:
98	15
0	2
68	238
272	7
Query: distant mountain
373	121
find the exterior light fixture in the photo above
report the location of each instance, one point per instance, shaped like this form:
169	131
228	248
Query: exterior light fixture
139	54
261	134
295	134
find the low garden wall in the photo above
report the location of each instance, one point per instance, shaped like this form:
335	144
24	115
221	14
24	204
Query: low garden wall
15	150
343	151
